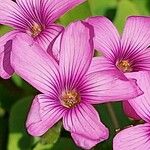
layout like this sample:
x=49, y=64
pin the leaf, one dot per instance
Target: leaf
x=18, y=137
x=125, y=8
x=99, y=7
x=17, y=80
x=52, y=135
x=78, y=13
x=65, y=144
x=4, y=29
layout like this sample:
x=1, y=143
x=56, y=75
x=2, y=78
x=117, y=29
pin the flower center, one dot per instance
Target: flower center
x=36, y=29
x=124, y=66
x=70, y=99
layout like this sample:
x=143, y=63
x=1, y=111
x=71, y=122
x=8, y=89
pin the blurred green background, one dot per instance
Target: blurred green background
x=16, y=95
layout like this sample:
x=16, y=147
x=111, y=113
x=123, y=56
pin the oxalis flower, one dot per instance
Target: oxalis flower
x=33, y=17
x=137, y=137
x=69, y=87
x=129, y=53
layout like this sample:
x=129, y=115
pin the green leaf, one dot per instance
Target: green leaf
x=78, y=13
x=65, y=144
x=18, y=137
x=125, y=8
x=52, y=135
x=17, y=80
x=101, y=7
x=4, y=29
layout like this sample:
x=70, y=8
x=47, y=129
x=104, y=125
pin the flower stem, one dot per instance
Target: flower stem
x=112, y=115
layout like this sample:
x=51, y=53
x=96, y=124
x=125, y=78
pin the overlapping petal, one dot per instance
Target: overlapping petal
x=85, y=126
x=141, y=104
x=129, y=111
x=136, y=37
x=100, y=64
x=106, y=86
x=107, y=38
x=6, y=69
x=48, y=35
x=56, y=8
x=44, y=113
x=133, y=138
x=76, y=53
x=35, y=66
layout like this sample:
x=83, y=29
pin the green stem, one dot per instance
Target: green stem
x=112, y=115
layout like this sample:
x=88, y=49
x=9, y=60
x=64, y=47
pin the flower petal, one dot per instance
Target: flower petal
x=55, y=47
x=12, y=15
x=83, y=122
x=44, y=113
x=133, y=138
x=35, y=66
x=56, y=8
x=6, y=69
x=106, y=36
x=129, y=111
x=48, y=35
x=141, y=104
x=100, y=64
x=136, y=37
x=106, y=86
x=76, y=53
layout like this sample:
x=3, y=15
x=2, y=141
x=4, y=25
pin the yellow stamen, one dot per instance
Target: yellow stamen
x=70, y=99
x=36, y=30
x=124, y=66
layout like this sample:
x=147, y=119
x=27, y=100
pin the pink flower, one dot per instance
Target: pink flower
x=137, y=137
x=34, y=17
x=69, y=87
x=129, y=53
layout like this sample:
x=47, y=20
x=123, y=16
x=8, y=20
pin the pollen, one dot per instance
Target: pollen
x=124, y=66
x=36, y=29
x=70, y=99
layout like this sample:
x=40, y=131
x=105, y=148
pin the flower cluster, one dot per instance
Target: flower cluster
x=60, y=63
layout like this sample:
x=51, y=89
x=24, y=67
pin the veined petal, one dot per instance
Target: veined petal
x=100, y=64
x=106, y=36
x=35, y=66
x=44, y=113
x=141, y=104
x=49, y=35
x=133, y=138
x=12, y=15
x=53, y=9
x=76, y=53
x=129, y=111
x=85, y=126
x=106, y=86
x=6, y=69
x=136, y=37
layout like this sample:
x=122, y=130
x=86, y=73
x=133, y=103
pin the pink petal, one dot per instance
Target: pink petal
x=100, y=64
x=141, y=104
x=133, y=138
x=85, y=126
x=55, y=47
x=76, y=53
x=129, y=111
x=106, y=86
x=48, y=35
x=106, y=36
x=44, y=113
x=11, y=15
x=56, y=8
x=136, y=37
x=6, y=69
x=35, y=66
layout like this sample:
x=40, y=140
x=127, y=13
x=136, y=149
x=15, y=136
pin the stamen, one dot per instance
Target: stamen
x=35, y=30
x=124, y=66
x=70, y=99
